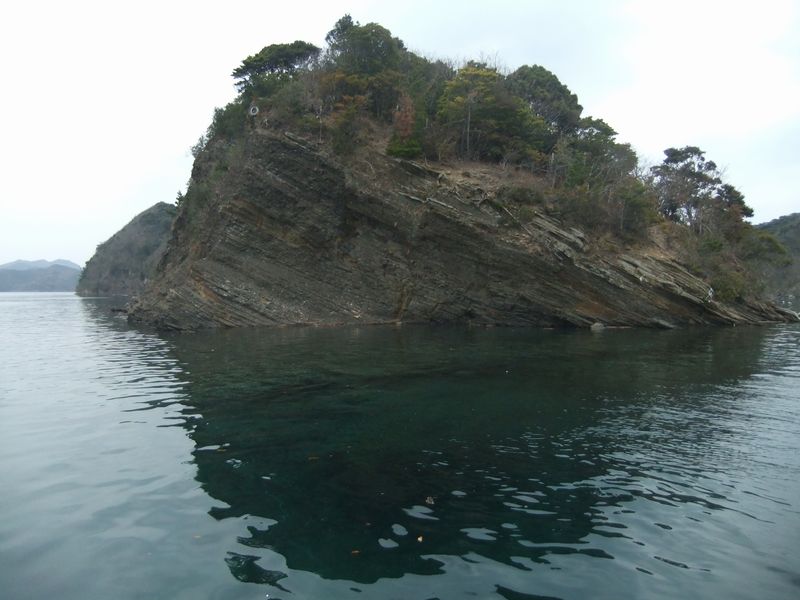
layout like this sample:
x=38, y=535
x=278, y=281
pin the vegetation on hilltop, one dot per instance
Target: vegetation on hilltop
x=783, y=278
x=125, y=262
x=366, y=86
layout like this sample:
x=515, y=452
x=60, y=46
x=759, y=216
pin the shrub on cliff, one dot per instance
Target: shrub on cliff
x=405, y=142
x=345, y=131
x=228, y=122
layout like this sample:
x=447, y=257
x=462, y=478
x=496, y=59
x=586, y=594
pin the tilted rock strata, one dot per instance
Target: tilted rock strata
x=287, y=235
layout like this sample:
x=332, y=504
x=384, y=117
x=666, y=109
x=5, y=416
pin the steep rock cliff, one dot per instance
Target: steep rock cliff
x=279, y=232
x=123, y=263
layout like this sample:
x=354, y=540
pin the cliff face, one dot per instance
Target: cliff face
x=281, y=233
x=123, y=263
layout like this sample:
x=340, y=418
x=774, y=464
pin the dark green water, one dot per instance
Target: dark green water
x=407, y=463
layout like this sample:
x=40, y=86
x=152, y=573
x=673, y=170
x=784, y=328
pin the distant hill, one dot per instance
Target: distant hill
x=43, y=276
x=783, y=281
x=123, y=263
x=28, y=265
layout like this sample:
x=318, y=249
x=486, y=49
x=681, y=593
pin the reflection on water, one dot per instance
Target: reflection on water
x=422, y=462
x=379, y=452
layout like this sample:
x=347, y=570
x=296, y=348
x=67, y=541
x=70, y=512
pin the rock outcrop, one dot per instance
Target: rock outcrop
x=122, y=264
x=279, y=232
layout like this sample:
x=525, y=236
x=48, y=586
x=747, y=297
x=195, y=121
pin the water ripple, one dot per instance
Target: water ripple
x=396, y=463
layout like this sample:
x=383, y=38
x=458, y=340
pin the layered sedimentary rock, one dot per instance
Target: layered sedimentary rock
x=276, y=231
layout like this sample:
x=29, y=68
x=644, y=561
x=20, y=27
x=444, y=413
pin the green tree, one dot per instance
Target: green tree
x=337, y=36
x=547, y=97
x=228, y=122
x=685, y=181
x=274, y=60
x=485, y=120
x=733, y=200
x=425, y=81
x=363, y=49
x=590, y=156
x=345, y=133
x=690, y=191
x=364, y=60
x=599, y=175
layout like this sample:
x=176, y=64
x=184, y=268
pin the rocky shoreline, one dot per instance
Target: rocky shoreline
x=287, y=234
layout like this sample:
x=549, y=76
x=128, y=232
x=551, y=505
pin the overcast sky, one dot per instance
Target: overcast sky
x=102, y=100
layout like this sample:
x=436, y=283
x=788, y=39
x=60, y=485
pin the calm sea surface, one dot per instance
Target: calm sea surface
x=380, y=462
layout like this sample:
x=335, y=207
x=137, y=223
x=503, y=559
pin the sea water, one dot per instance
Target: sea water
x=410, y=462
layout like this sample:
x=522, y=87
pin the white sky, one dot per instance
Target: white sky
x=102, y=100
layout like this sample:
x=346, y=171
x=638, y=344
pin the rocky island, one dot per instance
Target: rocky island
x=365, y=184
x=290, y=236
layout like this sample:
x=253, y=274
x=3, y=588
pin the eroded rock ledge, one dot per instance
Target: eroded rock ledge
x=285, y=234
